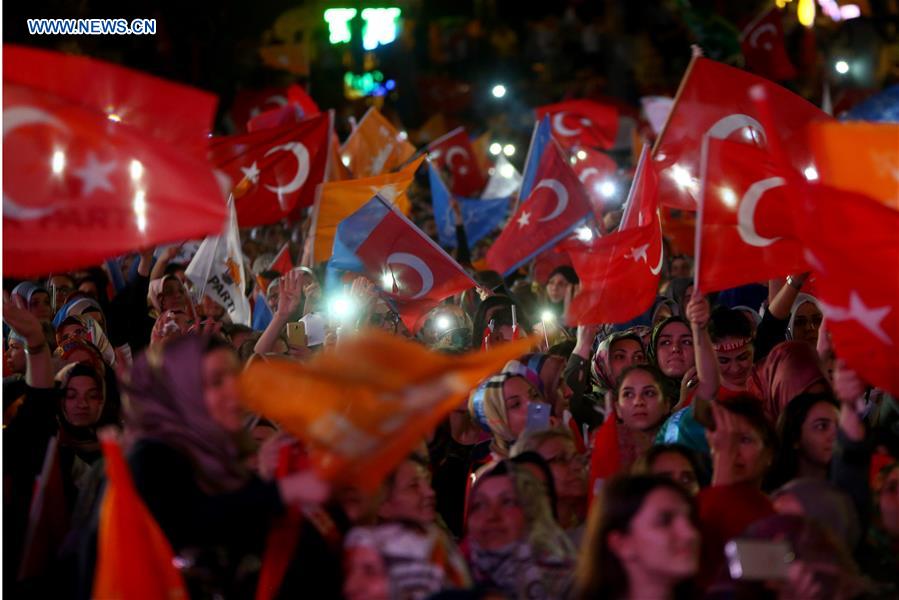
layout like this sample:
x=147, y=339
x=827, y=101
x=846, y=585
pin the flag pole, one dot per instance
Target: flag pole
x=697, y=53
x=527, y=161
x=697, y=240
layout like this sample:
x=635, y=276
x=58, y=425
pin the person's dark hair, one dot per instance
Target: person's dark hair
x=229, y=330
x=490, y=280
x=390, y=480
x=270, y=275
x=726, y=322
x=750, y=408
x=643, y=466
x=216, y=342
x=247, y=349
x=789, y=432
x=503, y=317
x=567, y=272
x=599, y=572
x=654, y=372
x=563, y=349
x=174, y=268
x=529, y=457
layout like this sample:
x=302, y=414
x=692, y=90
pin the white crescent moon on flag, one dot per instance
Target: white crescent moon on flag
x=413, y=262
x=658, y=268
x=299, y=178
x=746, y=211
x=757, y=33
x=559, y=125
x=454, y=151
x=14, y=118
x=277, y=100
x=561, y=194
x=587, y=173
x=731, y=123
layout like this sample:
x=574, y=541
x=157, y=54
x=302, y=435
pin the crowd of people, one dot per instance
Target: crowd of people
x=655, y=459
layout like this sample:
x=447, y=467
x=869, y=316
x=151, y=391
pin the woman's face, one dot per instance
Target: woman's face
x=495, y=517
x=889, y=503
x=675, y=350
x=173, y=296
x=819, y=433
x=211, y=309
x=83, y=402
x=15, y=356
x=556, y=288
x=517, y=394
x=752, y=458
x=662, y=542
x=807, y=323
x=641, y=404
x=89, y=288
x=567, y=466
x=220, y=370
x=72, y=331
x=411, y=497
x=677, y=468
x=63, y=286
x=365, y=575
x=735, y=365
x=39, y=306
x=625, y=353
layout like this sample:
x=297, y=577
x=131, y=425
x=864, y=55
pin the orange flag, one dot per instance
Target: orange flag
x=134, y=558
x=336, y=171
x=339, y=199
x=375, y=146
x=859, y=157
x=431, y=129
x=362, y=408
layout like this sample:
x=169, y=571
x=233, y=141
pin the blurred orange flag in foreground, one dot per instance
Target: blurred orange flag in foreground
x=364, y=406
x=134, y=558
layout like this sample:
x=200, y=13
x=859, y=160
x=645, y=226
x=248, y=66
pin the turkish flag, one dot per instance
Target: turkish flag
x=714, y=101
x=282, y=263
x=274, y=171
x=82, y=183
x=619, y=272
x=454, y=153
x=582, y=122
x=745, y=223
x=422, y=273
x=556, y=205
x=852, y=245
x=595, y=170
x=762, y=42
x=249, y=104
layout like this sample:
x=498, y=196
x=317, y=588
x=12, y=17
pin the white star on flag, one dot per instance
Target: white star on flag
x=251, y=172
x=870, y=318
x=524, y=220
x=95, y=174
x=639, y=253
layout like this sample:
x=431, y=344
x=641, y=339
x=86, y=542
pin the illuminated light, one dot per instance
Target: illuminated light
x=811, y=173
x=496, y=148
x=402, y=136
x=387, y=281
x=136, y=169
x=547, y=315
x=729, y=197
x=850, y=11
x=607, y=188
x=805, y=12
x=491, y=171
x=585, y=234
x=345, y=159
x=338, y=20
x=114, y=117
x=683, y=179
x=782, y=3
x=380, y=26
x=509, y=149
x=139, y=205
x=342, y=307
x=573, y=160
x=390, y=84
x=507, y=170
x=443, y=323
x=581, y=155
x=498, y=91
x=58, y=162
x=841, y=67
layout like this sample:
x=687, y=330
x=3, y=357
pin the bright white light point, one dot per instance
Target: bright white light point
x=682, y=177
x=850, y=11
x=114, y=117
x=841, y=67
x=811, y=173
x=58, y=163
x=443, y=322
x=496, y=148
x=341, y=307
x=345, y=159
x=499, y=90
x=607, y=189
x=509, y=149
x=547, y=316
x=581, y=155
x=387, y=281
x=585, y=234
x=402, y=136
x=140, y=209
x=136, y=169
x=573, y=159
x=491, y=171
x=507, y=170
x=729, y=197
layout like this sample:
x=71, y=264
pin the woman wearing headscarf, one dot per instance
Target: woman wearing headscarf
x=81, y=306
x=500, y=405
x=188, y=455
x=678, y=292
x=792, y=368
x=559, y=287
x=805, y=320
x=37, y=300
x=512, y=541
x=671, y=351
x=497, y=311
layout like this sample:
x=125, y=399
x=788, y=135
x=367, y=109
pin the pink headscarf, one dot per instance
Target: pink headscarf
x=789, y=370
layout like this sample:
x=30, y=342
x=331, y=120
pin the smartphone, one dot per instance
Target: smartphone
x=296, y=334
x=538, y=416
x=758, y=560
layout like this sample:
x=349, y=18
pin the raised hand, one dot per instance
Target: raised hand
x=17, y=316
x=698, y=311
x=289, y=297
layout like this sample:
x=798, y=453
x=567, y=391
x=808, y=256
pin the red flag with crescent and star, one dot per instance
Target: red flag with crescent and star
x=454, y=153
x=99, y=160
x=274, y=171
x=762, y=42
x=582, y=122
x=596, y=170
x=250, y=104
x=557, y=204
x=745, y=223
x=620, y=272
x=714, y=100
x=852, y=245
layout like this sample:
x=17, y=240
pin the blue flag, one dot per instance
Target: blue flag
x=443, y=209
x=880, y=108
x=480, y=217
x=540, y=138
